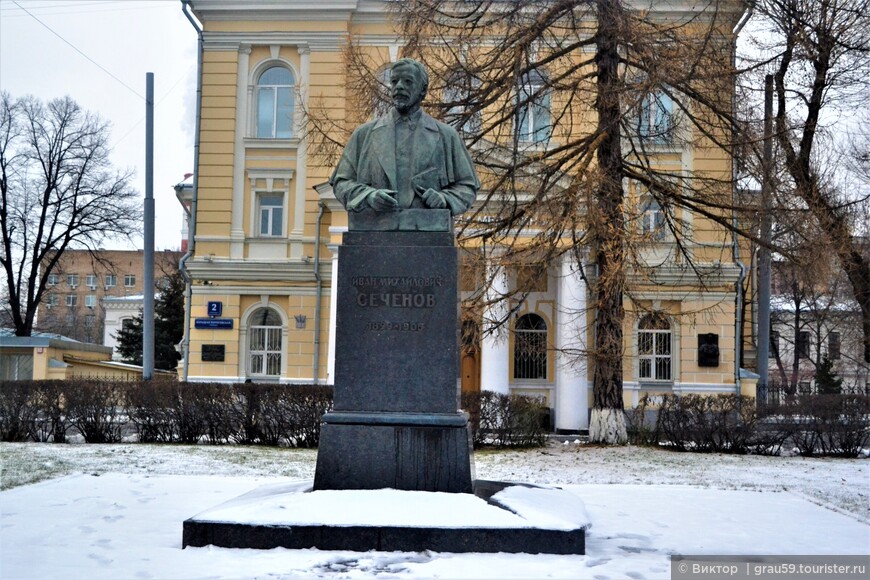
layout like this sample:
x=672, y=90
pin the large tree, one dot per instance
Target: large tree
x=58, y=191
x=602, y=87
x=819, y=54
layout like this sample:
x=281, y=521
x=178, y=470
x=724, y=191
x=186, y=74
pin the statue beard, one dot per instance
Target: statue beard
x=406, y=104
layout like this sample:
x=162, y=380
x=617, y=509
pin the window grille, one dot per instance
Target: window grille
x=264, y=348
x=654, y=348
x=530, y=347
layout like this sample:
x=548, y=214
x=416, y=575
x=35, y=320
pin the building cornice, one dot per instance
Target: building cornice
x=217, y=270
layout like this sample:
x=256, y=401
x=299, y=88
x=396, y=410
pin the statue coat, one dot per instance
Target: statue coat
x=441, y=162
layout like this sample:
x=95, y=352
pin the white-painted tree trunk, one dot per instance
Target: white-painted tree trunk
x=607, y=426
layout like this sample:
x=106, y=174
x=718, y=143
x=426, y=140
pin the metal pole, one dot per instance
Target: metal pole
x=148, y=275
x=764, y=250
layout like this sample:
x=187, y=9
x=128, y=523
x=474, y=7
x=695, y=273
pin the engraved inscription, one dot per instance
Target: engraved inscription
x=396, y=300
x=407, y=291
x=399, y=326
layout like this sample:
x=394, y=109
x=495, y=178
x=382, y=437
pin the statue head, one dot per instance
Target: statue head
x=408, y=84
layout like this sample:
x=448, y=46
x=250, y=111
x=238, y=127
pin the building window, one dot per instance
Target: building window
x=802, y=348
x=457, y=94
x=773, y=350
x=271, y=214
x=382, y=99
x=264, y=348
x=128, y=324
x=111, y=281
x=90, y=320
x=129, y=280
x=656, y=118
x=16, y=367
x=533, y=118
x=530, y=347
x=90, y=300
x=275, y=103
x=804, y=388
x=91, y=281
x=653, y=222
x=52, y=300
x=72, y=300
x=834, y=346
x=72, y=280
x=654, y=348
x=53, y=279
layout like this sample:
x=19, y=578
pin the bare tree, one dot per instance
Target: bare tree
x=567, y=107
x=819, y=51
x=58, y=191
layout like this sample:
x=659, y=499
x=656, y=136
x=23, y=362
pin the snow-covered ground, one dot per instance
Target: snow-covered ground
x=116, y=511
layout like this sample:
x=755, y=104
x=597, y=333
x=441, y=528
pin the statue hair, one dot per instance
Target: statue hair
x=418, y=69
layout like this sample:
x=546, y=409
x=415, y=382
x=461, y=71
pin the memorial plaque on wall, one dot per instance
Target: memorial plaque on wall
x=708, y=350
x=213, y=352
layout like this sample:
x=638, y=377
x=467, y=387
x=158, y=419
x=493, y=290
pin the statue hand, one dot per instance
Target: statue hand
x=434, y=199
x=382, y=200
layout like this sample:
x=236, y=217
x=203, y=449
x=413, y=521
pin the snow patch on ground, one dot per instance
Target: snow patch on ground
x=129, y=526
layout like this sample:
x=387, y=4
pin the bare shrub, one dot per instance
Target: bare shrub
x=96, y=409
x=51, y=422
x=151, y=406
x=17, y=411
x=505, y=420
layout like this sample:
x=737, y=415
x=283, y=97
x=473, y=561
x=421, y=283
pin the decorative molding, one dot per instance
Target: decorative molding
x=255, y=270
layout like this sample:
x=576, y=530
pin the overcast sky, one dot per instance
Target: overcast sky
x=127, y=38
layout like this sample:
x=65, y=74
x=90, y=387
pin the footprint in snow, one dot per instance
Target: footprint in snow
x=100, y=559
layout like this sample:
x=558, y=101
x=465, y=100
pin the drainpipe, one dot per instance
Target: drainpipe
x=735, y=247
x=318, y=302
x=191, y=229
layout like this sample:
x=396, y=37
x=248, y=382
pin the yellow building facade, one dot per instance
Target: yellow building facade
x=267, y=232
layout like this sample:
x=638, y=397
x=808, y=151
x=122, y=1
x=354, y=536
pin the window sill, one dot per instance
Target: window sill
x=258, y=143
x=654, y=384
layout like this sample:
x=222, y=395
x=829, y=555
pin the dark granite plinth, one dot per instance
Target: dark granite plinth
x=385, y=538
x=219, y=527
x=423, y=452
x=396, y=324
x=396, y=422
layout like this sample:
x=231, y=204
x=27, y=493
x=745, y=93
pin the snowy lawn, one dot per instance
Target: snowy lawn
x=116, y=511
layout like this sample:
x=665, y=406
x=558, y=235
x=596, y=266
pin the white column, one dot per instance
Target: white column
x=572, y=387
x=495, y=348
x=333, y=311
x=237, y=228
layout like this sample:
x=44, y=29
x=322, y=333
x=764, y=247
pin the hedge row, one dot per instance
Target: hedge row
x=814, y=425
x=220, y=413
x=163, y=411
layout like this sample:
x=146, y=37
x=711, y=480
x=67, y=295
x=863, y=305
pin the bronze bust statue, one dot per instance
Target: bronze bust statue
x=405, y=159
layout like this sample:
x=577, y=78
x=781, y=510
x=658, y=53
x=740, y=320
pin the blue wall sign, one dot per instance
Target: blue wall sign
x=213, y=323
x=215, y=308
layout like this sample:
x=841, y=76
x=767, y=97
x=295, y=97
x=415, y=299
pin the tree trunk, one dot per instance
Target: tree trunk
x=608, y=228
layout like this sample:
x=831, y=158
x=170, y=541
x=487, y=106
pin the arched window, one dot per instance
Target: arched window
x=264, y=343
x=275, y=103
x=530, y=347
x=654, y=348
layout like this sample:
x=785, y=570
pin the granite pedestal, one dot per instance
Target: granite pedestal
x=499, y=517
x=396, y=422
